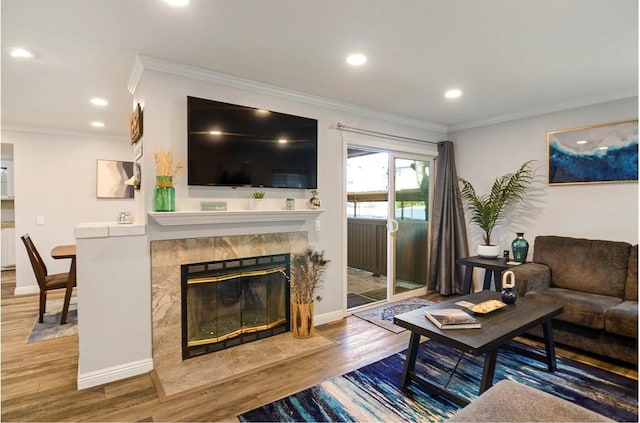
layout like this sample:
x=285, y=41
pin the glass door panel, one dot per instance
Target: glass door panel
x=410, y=224
x=367, y=214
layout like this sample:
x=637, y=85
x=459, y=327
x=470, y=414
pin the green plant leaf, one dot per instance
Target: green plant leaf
x=487, y=211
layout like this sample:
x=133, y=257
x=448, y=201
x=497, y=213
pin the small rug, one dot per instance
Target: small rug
x=383, y=316
x=373, y=392
x=51, y=327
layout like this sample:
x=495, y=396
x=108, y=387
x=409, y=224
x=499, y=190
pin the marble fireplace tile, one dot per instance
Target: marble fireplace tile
x=165, y=296
x=211, y=369
x=167, y=346
x=167, y=256
x=181, y=251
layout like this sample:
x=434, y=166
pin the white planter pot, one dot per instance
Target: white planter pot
x=488, y=251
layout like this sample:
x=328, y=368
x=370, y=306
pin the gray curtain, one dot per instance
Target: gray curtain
x=448, y=228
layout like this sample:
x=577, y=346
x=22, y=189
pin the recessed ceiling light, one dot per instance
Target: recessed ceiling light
x=581, y=142
x=603, y=148
x=282, y=141
x=454, y=93
x=97, y=124
x=177, y=3
x=96, y=101
x=21, y=53
x=356, y=59
x=215, y=133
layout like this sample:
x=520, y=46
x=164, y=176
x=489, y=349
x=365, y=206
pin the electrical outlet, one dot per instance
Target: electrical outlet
x=317, y=226
x=40, y=220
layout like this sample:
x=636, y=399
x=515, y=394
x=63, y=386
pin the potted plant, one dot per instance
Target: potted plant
x=257, y=197
x=487, y=211
x=307, y=270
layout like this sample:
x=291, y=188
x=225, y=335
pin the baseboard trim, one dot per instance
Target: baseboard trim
x=111, y=374
x=321, y=319
x=26, y=290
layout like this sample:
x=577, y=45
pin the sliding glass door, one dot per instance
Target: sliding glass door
x=387, y=225
x=410, y=223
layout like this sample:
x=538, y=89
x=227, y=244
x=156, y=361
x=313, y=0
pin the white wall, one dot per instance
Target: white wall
x=165, y=126
x=55, y=177
x=603, y=211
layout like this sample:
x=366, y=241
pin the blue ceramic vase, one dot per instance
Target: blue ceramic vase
x=520, y=248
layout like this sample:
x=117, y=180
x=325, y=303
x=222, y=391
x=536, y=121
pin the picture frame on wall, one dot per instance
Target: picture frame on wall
x=604, y=153
x=135, y=122
x=137, y=150
x=111, y=178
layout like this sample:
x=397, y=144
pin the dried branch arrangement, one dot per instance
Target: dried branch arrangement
x=307, y=270
x=165, y=165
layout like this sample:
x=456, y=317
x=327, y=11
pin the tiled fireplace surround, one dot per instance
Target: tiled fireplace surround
x=166, y=258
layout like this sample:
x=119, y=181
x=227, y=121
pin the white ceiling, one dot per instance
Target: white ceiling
x=511, y=57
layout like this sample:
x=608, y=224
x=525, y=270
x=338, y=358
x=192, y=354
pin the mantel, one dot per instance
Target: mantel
x=232, y=216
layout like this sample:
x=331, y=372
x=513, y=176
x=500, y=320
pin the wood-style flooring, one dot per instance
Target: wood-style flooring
x=39, y=380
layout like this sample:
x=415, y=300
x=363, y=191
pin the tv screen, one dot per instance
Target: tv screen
x=234, y=145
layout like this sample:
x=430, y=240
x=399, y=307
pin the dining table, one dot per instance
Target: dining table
x=66, y=252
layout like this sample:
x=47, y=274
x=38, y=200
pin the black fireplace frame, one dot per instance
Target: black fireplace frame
x=220, y=267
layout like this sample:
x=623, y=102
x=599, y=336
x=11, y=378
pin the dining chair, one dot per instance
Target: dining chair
x=46, y=282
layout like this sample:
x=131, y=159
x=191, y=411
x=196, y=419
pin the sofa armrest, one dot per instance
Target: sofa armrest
x=531, y=277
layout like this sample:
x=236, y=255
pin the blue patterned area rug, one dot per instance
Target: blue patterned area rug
x=373, y=393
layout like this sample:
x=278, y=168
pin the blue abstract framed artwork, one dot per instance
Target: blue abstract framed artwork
x=603, y=153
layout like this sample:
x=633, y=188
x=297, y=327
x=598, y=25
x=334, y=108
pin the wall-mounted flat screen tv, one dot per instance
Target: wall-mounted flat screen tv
x=232, y=145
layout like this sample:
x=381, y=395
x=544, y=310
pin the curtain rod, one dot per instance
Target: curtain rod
x=346, y=128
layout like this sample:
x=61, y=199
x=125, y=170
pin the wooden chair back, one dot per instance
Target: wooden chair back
x=39, y=268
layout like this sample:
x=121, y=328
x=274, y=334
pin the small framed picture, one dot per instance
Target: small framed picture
x=111, y=176
x=137, y=150
x=136, y=124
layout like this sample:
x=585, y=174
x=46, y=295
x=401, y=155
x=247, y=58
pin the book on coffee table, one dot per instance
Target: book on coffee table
x=452, y=318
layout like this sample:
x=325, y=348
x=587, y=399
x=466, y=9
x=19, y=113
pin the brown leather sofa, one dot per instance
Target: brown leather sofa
x=597, y=284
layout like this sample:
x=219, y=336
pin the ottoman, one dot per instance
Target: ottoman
x=509, y=401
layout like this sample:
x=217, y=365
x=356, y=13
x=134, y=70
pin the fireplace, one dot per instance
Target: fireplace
x=229, y=302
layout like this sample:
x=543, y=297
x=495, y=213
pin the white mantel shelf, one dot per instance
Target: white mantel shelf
x=232, y=216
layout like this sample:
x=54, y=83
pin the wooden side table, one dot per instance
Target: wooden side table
x=493, y=267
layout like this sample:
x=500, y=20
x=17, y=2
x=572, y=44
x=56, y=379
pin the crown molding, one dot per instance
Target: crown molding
x=136, y=74
x=63, y=132
x=143, y=63
x=556, y=107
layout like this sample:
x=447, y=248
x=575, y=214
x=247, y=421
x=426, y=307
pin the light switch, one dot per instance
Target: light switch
x=40, y=220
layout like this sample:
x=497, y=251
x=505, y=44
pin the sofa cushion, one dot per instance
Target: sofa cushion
x=581, y=308
x=531, y=277
x=595, y=266
x=622, y=319
x=631, y=287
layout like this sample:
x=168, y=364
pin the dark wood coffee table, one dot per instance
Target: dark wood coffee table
x=498, y=328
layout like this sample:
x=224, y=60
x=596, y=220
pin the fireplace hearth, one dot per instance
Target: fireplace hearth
x=229, y=302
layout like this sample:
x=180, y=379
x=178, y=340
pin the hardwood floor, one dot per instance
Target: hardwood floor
x=39, y=380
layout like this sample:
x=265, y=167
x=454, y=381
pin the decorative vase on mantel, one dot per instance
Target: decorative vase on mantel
x=520, y=248
x=314, y=201
x=164, y=196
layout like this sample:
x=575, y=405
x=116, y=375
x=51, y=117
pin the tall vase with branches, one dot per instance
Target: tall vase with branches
x=307, y=271
x=488, y=211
